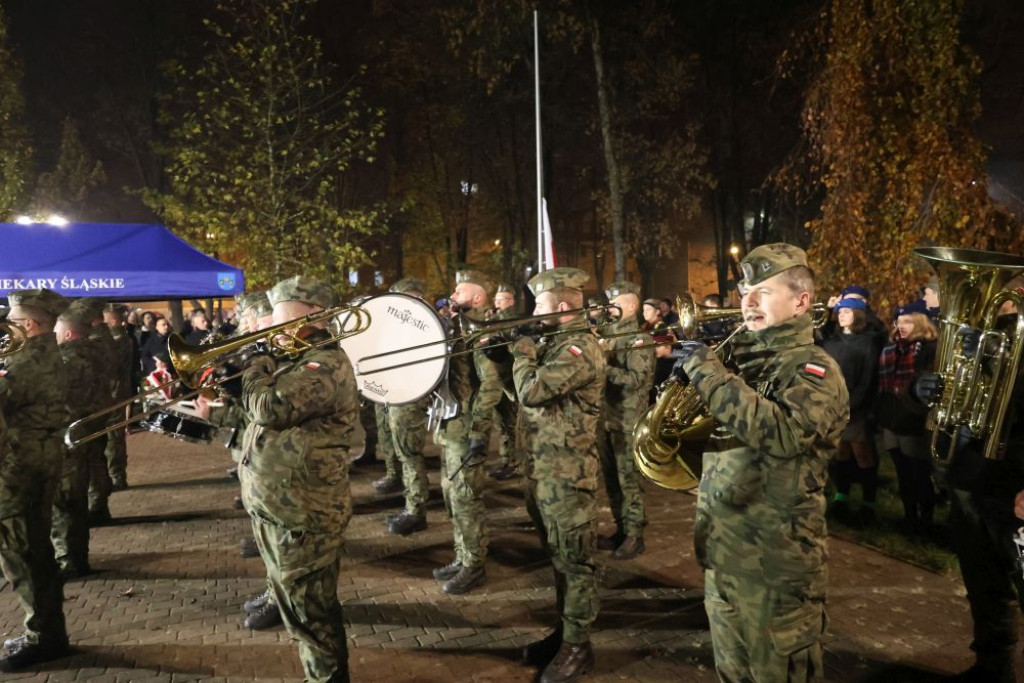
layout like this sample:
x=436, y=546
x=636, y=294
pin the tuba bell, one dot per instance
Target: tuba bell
x=669, y=438
x=976, y=388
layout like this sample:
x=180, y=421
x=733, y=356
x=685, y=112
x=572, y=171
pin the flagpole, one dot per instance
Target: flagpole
x=540, y=165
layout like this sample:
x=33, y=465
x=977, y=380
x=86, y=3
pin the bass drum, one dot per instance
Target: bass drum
x=406, y=329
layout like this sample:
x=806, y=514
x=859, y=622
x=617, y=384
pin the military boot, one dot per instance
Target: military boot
x=254, y=604
x=262, y=618
x=19, y=653
x=448, y=571
x=541, y=652
x=405, y=524
x=366, y=458
x=249, y=547
x=118, y=483
x=99, y=516
x=573, y=661
x=386, y=485
x=630, y=548
x=238, y=504
x=466, y=580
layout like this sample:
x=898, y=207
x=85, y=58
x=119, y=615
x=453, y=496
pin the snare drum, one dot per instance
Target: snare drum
x=179, y=426
x=398, y=322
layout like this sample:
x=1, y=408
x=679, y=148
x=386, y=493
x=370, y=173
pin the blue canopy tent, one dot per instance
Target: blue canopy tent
x=121, y=261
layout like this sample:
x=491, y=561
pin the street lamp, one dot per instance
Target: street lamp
x=734, y=250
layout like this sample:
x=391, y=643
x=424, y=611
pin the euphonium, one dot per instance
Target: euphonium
x=976, y=388
x=12, y=338
x=668, y=440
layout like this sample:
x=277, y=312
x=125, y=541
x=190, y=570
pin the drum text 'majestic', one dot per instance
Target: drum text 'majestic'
x=406, y=317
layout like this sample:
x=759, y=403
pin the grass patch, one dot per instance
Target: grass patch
x=933, y=552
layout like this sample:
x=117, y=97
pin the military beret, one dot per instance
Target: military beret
x=858, y=304
x=913, y=307
x=571, y=278
x=409, y=284
x=305, y=289
x=475, y=277
x=768, y=260
x=622, y=287
x=855, y=289
x=45, y=300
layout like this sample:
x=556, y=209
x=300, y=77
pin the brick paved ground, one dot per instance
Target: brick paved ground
x=166, y=602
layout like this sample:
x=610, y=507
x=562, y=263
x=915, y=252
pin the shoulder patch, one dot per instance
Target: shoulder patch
x=815, y=370
x=575, y=350
x=311, y=365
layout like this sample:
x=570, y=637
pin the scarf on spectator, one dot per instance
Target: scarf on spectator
x=896, y=366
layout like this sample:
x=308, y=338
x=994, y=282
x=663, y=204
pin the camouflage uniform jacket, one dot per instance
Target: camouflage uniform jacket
x=629, y=375
x=33, y=390
x=560, y=385
x=761, y=506
x=85, y=391
x=110, y=352
x=495, y=378
x=295, y=453
x=465, y=375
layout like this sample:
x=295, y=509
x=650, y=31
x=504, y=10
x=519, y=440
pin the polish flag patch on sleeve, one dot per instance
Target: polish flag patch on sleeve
x=815, y=369
x=575, y=350
x=312, y=365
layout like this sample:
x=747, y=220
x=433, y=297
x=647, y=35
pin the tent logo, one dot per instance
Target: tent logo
x=226, y=281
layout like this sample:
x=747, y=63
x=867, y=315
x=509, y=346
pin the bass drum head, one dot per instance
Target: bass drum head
x=398, y=323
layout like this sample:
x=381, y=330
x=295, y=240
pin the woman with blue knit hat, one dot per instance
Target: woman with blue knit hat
x=853, y=348
x=904, y=434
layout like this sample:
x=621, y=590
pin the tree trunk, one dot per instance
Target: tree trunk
x=612, y=167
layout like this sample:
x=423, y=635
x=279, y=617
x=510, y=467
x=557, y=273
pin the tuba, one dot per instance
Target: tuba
x=669, y=438
x=976, y=388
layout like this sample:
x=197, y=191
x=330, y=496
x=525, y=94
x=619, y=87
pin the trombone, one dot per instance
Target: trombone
x=477, y=330
x=192, y=363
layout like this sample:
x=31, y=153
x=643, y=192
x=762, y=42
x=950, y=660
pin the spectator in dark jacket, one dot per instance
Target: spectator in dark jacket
x=156, y=343
x=853, y=348
x=904, y=435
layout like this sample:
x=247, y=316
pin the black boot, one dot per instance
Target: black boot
x=541, y=652
x=573, y=661
x=630, y=548
x=466, y=580
x=386, y=485
x=262, y=618
x=19, y=653
x=253, y=604
x=405, y=524
x=366, y=458
x=448, y=571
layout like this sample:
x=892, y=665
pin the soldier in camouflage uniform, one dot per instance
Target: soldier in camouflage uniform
x=560, y=383
x=629, y=377
x=294, y=475
x=509, y=455
x=391, y=482
x=407, y=430
x=760, y=529
x=463, y=445
x=33, y=390
x=368, y=421
x=116, y=451
x=83, y=362
x=106, y=347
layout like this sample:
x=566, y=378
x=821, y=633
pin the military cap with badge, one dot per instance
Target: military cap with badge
x=768, y=260
x=558, y=278
x=303, y=289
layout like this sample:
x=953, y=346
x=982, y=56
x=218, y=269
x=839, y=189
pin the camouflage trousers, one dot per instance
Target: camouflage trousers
x=407, y=426
x=28, y=485
x=116, y=454
x=464, y=497
x=763, y=634
x=100, y=484
x=386, y=443
x=70, y=528
x=368, y=421
x=566, y=519
x=508, y=415
x=302, y=572
x=622, y=481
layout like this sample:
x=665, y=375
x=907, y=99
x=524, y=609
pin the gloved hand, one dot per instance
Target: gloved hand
x=477, y=449
x=971, y=337
x=927, y=387
x=525, y=346
x=496, y=350
x=683, y=353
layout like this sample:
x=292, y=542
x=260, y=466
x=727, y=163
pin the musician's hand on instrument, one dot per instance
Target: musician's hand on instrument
x=927, y=387
x=495, y=348
x=683, y=352
x=202, y=405
x=525, y=346
x=970, y=338
x=1018, y=505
